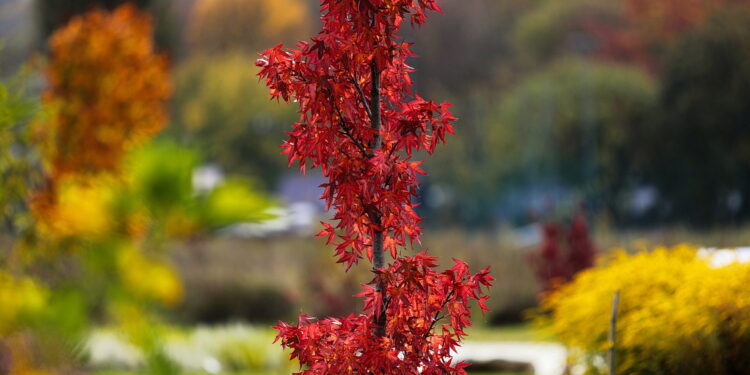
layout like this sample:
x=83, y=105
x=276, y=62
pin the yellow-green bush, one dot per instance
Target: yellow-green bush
x=677, y=315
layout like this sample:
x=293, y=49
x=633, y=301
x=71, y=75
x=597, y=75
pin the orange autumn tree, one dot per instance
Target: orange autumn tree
x=107, y=88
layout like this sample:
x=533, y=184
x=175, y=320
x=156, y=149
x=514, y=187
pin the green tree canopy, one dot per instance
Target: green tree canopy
x=702, y=142
x=576, y=123
x=557, y=27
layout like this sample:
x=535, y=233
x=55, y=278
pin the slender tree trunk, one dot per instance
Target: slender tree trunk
x=378, y=258
x=377, y=251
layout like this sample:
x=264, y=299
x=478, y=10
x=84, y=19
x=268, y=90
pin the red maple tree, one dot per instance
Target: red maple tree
x=360, y=123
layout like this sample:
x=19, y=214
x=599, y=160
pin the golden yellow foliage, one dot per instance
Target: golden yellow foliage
x=18, y=297
x=107, y=90
x=678, y=315
x=80, y=209
x=148, y=278
x=246, y=25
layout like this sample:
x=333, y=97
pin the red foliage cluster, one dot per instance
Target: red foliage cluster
x=360, y=123
x=554, y=264
x=371, y=175
x=415, y=299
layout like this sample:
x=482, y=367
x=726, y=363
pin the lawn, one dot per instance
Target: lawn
x=517, y=332
x=245, y=340
x=274, y=373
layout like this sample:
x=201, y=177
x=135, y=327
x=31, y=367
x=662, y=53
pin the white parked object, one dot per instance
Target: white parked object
x=723, y=257
x=545, y=358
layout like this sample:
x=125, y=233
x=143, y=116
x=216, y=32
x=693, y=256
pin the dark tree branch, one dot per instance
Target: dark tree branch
x=362, y=98
x=437, y=316
x=346, y=131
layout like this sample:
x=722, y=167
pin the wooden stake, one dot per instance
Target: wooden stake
x=613, y=334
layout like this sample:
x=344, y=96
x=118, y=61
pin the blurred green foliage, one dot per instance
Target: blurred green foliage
x=555, y=28
x=228, y=349
x=163, y=175
x=478, y=55
x=577, y=99
x=219, y=27
x=700, y=141
x=220, y=108
x=18, y=162
x=236, y=200
x=470, y=64
x=576, y=123
x=97, y=254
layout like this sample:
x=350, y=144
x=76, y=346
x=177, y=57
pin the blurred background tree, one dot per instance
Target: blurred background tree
x=576, y=124
x=51, y=15
x=220, y=26
x=556, y=28
x=496, y=45
x=107, y=90
x=54, y=14
x=109, y=202
x=219, y=108
x=19, y=163
x=634, y=108
x=471, y=76
x=702, y=169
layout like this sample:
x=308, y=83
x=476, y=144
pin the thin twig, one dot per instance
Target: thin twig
x=346, y=131
x=362, y=97
x=437, y=316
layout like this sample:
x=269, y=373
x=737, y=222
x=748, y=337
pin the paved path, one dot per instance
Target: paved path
x=545, y=358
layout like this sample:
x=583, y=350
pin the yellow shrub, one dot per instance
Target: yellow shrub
x=677, y=314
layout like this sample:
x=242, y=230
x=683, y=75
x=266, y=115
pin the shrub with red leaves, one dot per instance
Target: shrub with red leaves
x=563, y=255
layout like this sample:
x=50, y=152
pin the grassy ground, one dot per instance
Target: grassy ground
x=242, y=340
x=272, y=373
x=517, y=332
x=190, y=373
